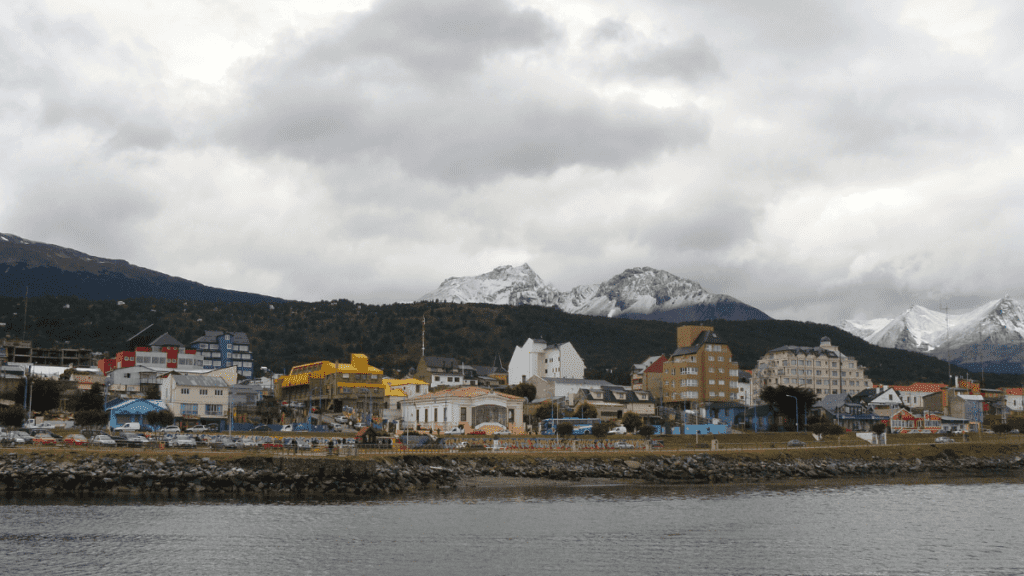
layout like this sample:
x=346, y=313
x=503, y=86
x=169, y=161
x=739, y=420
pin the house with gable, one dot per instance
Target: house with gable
x=538, y=358
x=133, y=410
x=843, y=410
x=913, y=394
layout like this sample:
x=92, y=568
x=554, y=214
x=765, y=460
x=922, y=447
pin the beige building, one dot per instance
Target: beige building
x=822, y=369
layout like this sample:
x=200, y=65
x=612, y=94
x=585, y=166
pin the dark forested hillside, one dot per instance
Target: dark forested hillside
x=288, y=333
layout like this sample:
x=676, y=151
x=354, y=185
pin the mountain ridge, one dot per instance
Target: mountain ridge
x=642, y=293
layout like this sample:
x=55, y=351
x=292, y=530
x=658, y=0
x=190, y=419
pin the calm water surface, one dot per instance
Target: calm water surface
x=905, y=529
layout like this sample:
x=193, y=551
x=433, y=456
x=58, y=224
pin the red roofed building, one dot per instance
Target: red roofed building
x=913, y=395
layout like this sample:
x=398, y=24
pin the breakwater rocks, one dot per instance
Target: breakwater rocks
x=186, y=476
x=340, y=477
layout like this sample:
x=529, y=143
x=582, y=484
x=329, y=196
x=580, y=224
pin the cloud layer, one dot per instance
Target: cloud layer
x=818, y=160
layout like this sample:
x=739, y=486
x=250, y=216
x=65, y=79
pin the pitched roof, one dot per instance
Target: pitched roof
x=921, y=387
x=166, y=339
x=466, y=392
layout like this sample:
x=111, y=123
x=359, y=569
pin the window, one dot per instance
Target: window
x=184, y=390
x=203, y=392
x=218, y=392
x=214, y=409
x=462, y=414
x=189, y=409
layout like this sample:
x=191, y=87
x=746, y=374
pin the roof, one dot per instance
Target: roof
x=657, y=366
x=812, y=350
x=138, y=406
x=198, y=380
x=466, y=392
x=211, y=336
x=832, y=401
x=921, y=387
x=166, y=339
x=441, y=363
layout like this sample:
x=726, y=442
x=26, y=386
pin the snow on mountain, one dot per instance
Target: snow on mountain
x=503, y=285
x=863, y=329
x=635, y=293
x=990, y=335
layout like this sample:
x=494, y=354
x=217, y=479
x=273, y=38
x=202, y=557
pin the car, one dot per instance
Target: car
x=247, y=443
x=181, y=441
x=75, y=440
x=618, y=430
x=456, y=430
x=795, y=444
x=170, y=430
x=1014, y=431
x=45, y=439
x=224, y=443
x=989, y=431
x=11, y=439
x=102, y=440
x=944, y=440
x=620, y=445
x=657, y=444
x=128, y=427
x=198, y=428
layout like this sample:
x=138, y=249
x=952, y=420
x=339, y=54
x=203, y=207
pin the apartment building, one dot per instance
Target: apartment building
x=538, y=358
x=700, y=370
x=222, y=349
x=822, y=369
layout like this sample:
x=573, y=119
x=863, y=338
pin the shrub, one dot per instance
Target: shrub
x=12, y=416
x=600, y=430
x=564, y=429
x=878, y=428
x=91, y=418
x=632, y=421
x=646, y=431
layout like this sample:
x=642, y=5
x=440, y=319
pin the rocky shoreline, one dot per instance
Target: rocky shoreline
x=279, y=476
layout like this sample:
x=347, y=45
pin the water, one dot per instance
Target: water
x=905, y=529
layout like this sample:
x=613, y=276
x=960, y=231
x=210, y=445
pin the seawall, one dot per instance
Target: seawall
x=283, y=476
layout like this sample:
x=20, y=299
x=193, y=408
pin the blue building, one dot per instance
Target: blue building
x=223, y=349
x=125, y=411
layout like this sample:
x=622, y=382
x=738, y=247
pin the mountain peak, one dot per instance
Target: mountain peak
x=641, y=292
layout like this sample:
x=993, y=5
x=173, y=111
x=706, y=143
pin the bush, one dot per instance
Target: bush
x=600, y=430
x=91, y=418
x=878, y=428
x=646, y=431
x=585, y=410
x=160, y=418
x=1002, y=428
x=564, y=429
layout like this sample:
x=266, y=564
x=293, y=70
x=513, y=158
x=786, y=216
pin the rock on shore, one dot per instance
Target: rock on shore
x=339, y=477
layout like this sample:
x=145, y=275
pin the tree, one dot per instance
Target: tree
x=632, y=421
x=160, y=418
x=547, y=409
x=91, y=418
x=585, y=410
x=778, y=397
x=564, y=429
x=600, y=430
x=12, y=416
x=86, y=400
x=646, y=431
x=878, y=428
x=524, y=390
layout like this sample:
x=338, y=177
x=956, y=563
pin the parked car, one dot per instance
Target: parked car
x=170, y=430
x=75, y=440
x=262, y=428
x=456, y=430
x=128, y=427
x=181, y=441
x=102, y=440
x=45, y=439
x=944, y=440
x=795, y=443
x=223, y=443
x=13, y=439
x=198, y=428
x=618, y=430
x=247, y=443
x=620, y=445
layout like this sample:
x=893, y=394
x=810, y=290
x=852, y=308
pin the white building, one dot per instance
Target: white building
x=538, y=358
x=821, y=369
x=468, y=407
x=564, y=388
x=195, y=397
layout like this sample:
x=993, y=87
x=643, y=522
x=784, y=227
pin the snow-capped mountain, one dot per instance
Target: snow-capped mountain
x=991, y=335
x=863, y=329
x=635, y=293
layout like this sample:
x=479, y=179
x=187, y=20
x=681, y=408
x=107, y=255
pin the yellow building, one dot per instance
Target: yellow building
x=333, y=385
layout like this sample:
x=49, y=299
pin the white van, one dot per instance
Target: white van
x=128, y=427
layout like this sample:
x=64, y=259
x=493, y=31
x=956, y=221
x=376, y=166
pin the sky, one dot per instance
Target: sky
x=816, y=160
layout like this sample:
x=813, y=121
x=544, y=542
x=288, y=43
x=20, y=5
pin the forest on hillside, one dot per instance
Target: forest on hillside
x=289, y=333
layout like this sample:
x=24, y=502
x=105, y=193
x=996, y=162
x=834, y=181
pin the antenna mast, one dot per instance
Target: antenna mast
x=423, y=338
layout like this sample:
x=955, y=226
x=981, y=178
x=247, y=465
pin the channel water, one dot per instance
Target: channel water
x=949, y=527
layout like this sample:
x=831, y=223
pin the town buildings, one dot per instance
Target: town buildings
x=194, y=397
x=699, y=371
x=220, y=349
x=333, y=386
x=469, y=407
x=822, y=369
x=538, y=358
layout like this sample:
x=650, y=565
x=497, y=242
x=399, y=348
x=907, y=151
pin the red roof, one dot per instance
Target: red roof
x=921, y=387
x=655, y=366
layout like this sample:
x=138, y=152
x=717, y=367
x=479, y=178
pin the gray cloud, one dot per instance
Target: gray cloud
x=629, y=53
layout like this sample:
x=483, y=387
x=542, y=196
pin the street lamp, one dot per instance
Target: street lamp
x=797, y=411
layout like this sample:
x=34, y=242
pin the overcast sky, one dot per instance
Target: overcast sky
x=816, y=160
